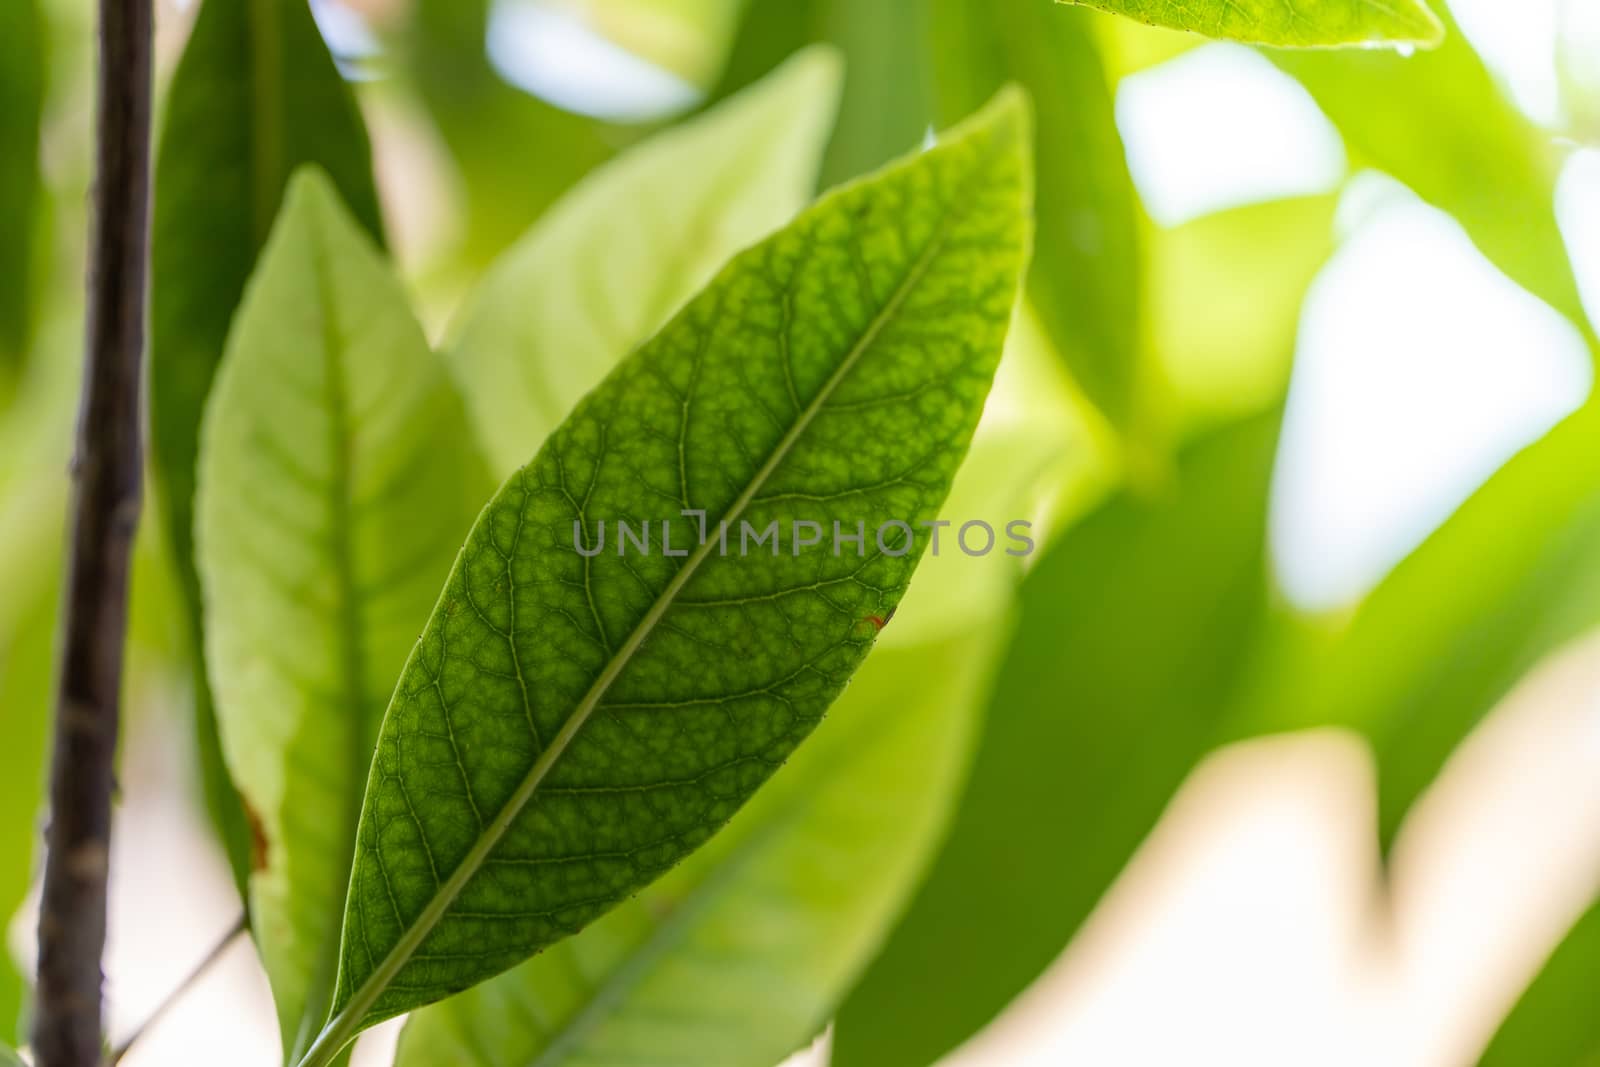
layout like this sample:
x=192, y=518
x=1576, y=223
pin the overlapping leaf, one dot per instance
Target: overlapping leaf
x=254, y=96
x=887, y=108
x=1301, y=24
x=608, y=265
x=338, y=478
x=1438, y=122
x=740, y=954
x=569, y=727
x=1085, y=281
x=1134, y=633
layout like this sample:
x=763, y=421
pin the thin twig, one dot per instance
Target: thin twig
x=105, y=509
x=179, y=990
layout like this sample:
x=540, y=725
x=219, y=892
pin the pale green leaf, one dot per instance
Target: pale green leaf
x=1293, y=24
x=255, y=95
x=337, y=478
x=740, y=954
x=1134, y=633
x=9, y=1057
x=608, y=265
x=570, y=727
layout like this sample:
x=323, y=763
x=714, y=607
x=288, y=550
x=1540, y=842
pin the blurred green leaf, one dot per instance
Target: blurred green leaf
x=609, y=264
x=254, y=96
x=1134, y=632
x=22, y=81
x=9, y=1057
x=1225, y=292
x=886, y=109
x=1085, y=280
x=687, y=37
x=1301, y=24
x=337, y=478
x=571, y=726
x=1554, y=1023
x=1511, y=576
x=516, y=153
x=740, y=954
x=1438, y=122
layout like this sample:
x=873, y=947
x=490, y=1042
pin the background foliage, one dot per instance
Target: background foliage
x=479, y=218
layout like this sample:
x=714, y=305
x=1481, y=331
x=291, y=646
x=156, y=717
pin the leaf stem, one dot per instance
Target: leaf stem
x=104, y=512
x=240, y=925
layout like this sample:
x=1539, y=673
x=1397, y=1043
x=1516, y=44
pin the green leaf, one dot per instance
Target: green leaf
x=1511, y=576
x=1554, y=1023
x=9, y=1057
x=886, y=108
x=22, y=78
x=740, y=954
x=1438, y=122
x=608, y=265
x=568, y=728
x=254, y=96
x=1085, y=281
x=1134, y=633
x=337, y=478
x=1301, y=24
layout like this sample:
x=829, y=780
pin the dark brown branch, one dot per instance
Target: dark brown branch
x=105, y=508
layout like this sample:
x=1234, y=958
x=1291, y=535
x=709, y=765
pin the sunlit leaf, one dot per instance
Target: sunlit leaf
x=569, y=727
x=740, y=954
x=607, y=266
x=1300, y=24
x=1554, y=1023
x=1085, y=280
x=337, y=479
x=22, y=78
x=1511, y=576
x=254, y=96
x=1438, y=122
x=1134, y=631
x=886, y=109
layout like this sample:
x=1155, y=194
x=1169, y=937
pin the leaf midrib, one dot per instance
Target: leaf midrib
x=345, y=1024
x=352, y=651
x=700, y=898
